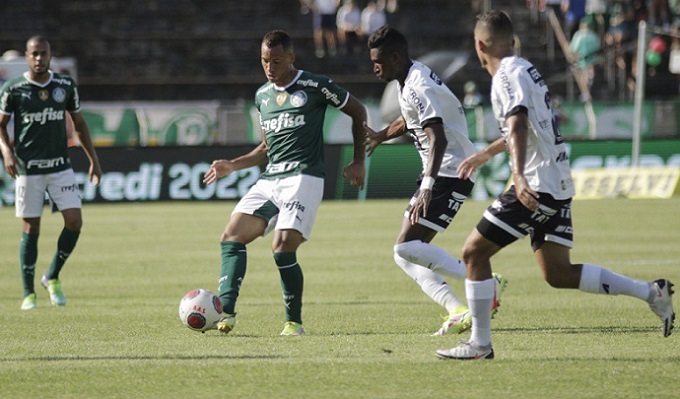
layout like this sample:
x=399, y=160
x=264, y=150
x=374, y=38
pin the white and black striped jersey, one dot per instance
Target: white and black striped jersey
x=518, y=87
x=425, y=99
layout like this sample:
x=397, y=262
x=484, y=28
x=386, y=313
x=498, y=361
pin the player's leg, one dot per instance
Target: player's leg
x=480, y=289
x=298, y=198
x=248, y=221
x=413, y=245
x=64, y=196
x=559, y=272
x=504, y=222
x=285, y=245
x=413, y=242
x=29, y=203
x=28, y=256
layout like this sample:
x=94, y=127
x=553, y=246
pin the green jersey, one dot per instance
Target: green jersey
x=292, y=119
x=39, y=112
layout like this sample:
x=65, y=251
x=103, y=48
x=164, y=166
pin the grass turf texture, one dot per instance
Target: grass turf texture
x=368, y=324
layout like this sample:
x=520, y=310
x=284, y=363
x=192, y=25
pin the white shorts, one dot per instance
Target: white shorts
x=61, y=188
x=288, y=203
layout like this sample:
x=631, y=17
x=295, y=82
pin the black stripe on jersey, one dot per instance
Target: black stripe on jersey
x=520, y=109
x=431, y=121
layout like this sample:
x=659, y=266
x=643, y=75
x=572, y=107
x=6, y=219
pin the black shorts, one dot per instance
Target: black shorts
x=508, y=220
x=448, y=194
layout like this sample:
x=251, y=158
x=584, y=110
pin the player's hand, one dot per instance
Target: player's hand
x=95, y=173
x=420, y=206
x=11, y=164
x=471, y=164
x=219, y=168
x=527, y=196
x=373, y=139
x=356, y=171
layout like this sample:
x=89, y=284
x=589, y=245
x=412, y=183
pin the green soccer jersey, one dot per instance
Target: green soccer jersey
x=40, y=121
x=292, y=119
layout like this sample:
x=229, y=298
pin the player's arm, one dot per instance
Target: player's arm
x=475, y=161
x=356, y=170
x=373, y=139
x=223, y=167
x=10, y=160
x=434, y=130
x=85, y=138
x=518, y=130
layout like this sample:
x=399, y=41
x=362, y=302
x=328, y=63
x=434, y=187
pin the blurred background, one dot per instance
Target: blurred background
x=159, y=73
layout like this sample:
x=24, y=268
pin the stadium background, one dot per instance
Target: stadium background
x=167, y=86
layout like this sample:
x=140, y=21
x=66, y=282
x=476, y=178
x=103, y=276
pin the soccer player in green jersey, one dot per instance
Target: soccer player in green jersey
x=41, y=101
x=292, y=106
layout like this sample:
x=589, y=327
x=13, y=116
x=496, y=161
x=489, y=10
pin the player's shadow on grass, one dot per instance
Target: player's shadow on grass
x=143, y=358
x=580, y=330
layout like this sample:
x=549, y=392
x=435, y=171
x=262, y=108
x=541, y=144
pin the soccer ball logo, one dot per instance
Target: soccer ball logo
x=200, y=310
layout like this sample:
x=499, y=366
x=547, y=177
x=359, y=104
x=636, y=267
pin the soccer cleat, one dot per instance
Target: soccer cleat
x=29, y=302
x=292, y=328
x=501, y=283
x=226, y=323
x=54, y=288
x=467, y=350
x=662, y=305
x=458, y=321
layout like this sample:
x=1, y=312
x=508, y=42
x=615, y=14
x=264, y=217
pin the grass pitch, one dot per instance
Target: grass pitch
x=368, y=324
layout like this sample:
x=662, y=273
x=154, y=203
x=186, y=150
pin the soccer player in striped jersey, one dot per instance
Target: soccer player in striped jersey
x=434, y=117
x=41, y=102
x=538, y=203
x=292, y=106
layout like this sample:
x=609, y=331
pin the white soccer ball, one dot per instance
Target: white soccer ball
x=200, y=310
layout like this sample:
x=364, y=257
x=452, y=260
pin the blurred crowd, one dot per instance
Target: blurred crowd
x=343, y=26
x=602, y=36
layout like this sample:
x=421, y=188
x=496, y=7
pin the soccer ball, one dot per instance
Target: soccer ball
x=200, y=310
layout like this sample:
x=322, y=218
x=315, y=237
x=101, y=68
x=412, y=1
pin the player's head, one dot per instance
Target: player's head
x=277, y=57
x=389, y=54
x=494, y=36
x=38, y=55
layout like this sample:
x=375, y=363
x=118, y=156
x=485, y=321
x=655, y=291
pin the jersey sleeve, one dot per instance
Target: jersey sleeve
x=73, y=104
x=510, y=88
x=332, y=93
x=6, y=105
x=424, y=99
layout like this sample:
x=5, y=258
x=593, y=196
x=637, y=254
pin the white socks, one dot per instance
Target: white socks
x=431, y=257
x=598, y=280
x=480, y=297
x=432, y=284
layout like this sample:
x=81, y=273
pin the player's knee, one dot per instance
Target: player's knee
x=75, y=224
x=410, y=250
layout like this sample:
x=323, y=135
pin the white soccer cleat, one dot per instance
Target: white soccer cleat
x=662, y=305
x=467, y=350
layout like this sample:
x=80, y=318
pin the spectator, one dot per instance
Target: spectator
x=323, y=12
x=586, y=45
x=372, y=18
x=574, y=11
x=473, y=97
x=349, y=27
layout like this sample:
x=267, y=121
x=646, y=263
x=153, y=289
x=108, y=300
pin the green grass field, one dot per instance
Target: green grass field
x=368, y=324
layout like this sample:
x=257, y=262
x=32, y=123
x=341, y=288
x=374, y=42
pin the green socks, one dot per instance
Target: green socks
x=67, y=241
x=233, y=272
x=28, y=254
x=292, y=283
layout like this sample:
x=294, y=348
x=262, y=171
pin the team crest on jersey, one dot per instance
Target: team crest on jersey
x=43, y=95
x=298, y=99
x=59, y=95
x=281, y=98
